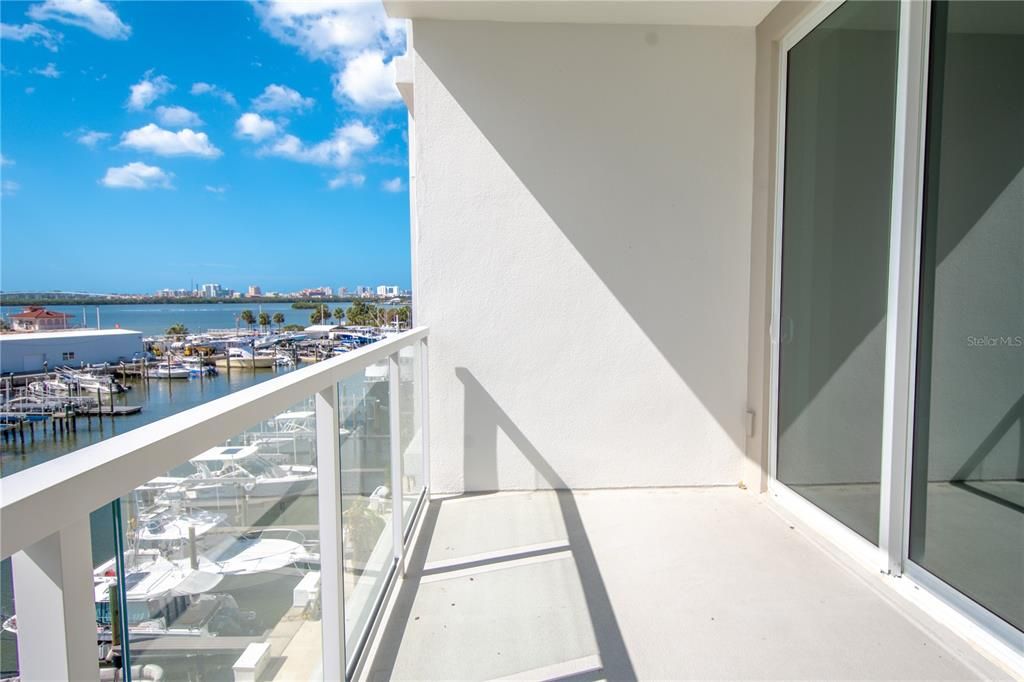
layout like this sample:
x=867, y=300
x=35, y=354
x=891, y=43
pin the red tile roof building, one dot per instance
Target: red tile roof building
x=37, y=318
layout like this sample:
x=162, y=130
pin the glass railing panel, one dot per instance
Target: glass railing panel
x=366, y=495
x=410, y=429
x=221, y=558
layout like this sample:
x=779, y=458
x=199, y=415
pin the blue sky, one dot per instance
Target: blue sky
x=149, y=144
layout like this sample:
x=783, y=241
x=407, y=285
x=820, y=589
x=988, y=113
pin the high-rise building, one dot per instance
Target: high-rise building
x=254, y=291
x=211, y=290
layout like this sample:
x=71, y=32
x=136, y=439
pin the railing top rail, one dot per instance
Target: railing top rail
x=43, y=499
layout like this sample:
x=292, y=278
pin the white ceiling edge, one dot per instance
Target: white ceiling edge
x=645, y=12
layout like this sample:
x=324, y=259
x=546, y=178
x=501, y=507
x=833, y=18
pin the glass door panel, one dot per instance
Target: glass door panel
x=840, y=108
x=967, y=500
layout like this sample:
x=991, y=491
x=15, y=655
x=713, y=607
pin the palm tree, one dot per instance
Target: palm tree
x=279, y=319
x=177, y=329
x=317, y=316
x=264, y=320
x=339, y=313
x=247, y=317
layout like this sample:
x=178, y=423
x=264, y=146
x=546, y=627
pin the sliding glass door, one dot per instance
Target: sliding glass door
x=967, y=499
x=840, y=110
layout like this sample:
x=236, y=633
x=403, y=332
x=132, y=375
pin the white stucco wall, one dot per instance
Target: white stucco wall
x=581, y=231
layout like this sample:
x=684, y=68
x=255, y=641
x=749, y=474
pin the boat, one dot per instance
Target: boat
x=171, y=530
x=258, y=557
x=85, y=381
x=226, y=474
x=166, y=370
x=49, y=388
x=244, y=359
x=197, y=366
x=163, y=598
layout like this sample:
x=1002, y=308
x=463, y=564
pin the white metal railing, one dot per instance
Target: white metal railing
x=44, y=510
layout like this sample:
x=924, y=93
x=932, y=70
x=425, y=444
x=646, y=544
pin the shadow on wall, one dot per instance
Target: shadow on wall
x=600, y=125
x=481, y=467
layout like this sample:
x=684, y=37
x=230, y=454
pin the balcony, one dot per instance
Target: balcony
x=635, y=583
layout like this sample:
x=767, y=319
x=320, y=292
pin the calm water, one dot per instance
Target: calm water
x=156, y=318
x=159, y=399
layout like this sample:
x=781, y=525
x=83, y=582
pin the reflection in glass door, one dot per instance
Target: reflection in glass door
x=840, y=108
x=967, y=499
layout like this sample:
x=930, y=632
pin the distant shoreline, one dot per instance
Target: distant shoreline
x=52, y=300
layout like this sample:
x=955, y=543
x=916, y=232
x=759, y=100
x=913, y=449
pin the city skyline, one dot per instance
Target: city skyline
x=266, y=151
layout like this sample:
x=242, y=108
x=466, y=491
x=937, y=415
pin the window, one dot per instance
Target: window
x=67, y=355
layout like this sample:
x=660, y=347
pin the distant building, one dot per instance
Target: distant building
x=38, y=319
x=254, y=291
x=386, y=290
x=28, y=352
x=211, y=291
x=342, y=291
x=364, y=292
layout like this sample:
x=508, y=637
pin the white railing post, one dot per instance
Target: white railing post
x=397, y=486
x=53, y=594
x=332, y=567
x=425, y=415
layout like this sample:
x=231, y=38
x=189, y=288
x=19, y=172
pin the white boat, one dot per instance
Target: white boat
x=49, y=388
x=172, y=530
x=166, y=598
x=244, y=359
x=226, y=474
x=258, y=557
x=169, y=371
x=84, y=381
x=163, y=598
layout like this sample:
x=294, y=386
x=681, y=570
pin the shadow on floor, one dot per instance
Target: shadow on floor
x=615, y=659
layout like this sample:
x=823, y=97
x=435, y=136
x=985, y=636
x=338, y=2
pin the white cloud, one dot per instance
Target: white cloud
x=331, y=30
x=6, y=160
x=137, y=175
x=216, y=189
x=92, y=15
x=393, y=185
x=336, y=151
x=357, y=38
x=178, y=117
x=186, y=142
x=29, y=90
x=215, y=90
x=281, y=98
x=35, y=33
x=147, y=90
x=367, y=81
x=90, y=138
x=346, y=180
x=255, y=127
x=48, y=71
x=9, y=188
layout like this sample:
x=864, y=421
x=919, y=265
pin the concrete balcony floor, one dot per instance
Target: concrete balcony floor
x=696, y=583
